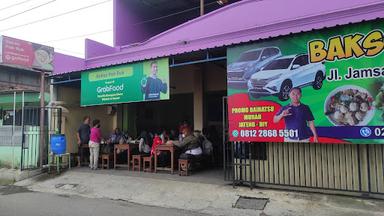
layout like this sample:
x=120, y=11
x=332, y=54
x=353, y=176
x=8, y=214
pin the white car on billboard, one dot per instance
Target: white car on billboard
x=284, y=73
x=249, y=63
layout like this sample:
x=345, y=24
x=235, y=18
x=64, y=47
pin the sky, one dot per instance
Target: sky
x=60, y=28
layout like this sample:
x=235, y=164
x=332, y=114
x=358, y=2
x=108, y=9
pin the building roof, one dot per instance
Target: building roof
x=244, y=21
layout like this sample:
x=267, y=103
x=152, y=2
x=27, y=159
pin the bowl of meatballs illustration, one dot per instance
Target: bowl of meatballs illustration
x=349, y=105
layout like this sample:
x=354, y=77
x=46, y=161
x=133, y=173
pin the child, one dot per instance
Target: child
x=94, y=144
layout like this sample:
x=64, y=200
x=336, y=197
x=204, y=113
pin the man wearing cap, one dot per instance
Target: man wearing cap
x=298, y=118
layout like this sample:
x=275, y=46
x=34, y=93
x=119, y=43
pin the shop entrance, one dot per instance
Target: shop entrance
x=196, y=97
x=165, y=115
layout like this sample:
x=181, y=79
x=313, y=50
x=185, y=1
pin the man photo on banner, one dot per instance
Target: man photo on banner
x=298, y=117
x=152, y=86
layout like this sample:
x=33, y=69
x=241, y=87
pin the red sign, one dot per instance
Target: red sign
x=17, y=52
x=253, y=120
x=26, y=54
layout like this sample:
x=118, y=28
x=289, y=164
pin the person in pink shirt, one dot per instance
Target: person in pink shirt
x=94, y=144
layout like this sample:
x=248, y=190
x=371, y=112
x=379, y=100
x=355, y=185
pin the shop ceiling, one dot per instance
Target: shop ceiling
x=215, y=56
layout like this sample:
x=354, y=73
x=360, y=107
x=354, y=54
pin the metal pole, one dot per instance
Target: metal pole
x=201, y=7
x=42, y=116
x=13, y=130
x=22, y=132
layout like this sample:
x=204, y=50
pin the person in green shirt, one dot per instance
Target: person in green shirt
x=152, y=85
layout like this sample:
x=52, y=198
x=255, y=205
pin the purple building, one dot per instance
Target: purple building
x=196, y=48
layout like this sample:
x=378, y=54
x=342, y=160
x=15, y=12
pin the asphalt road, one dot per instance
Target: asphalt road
x=18, y=201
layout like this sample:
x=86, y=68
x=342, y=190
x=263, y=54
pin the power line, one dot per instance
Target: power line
x=108, y=30
x=69, y=51
x=11, y=6
x=139, y=23
x=25, y=11
x=55, y=16
x=78, y=36
x=172, y=14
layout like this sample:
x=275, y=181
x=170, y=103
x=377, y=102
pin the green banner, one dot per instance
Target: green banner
x=322, y=86
x=136, y=82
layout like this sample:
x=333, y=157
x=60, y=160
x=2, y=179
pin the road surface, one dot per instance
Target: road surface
x=18, y=201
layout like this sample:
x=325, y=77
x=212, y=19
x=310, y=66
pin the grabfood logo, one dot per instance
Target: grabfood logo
x=110, y=88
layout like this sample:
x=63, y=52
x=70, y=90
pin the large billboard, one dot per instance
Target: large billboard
x=323, y=86
x=143, y=81
x=24, y=54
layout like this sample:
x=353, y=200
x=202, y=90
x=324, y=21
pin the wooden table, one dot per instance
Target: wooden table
x=165, y=147
x=122, y=147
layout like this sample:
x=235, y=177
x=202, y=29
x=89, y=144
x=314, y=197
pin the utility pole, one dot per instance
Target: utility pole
x=201, y=7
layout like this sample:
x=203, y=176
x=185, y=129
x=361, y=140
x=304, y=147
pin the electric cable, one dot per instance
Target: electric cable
x=77, y=36
x=25, y=11
x=69, y=51
x=108, y=30
x=135, y=24
x=55, y=16
x=14, y=5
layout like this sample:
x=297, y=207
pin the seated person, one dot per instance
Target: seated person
x=173, y=135
x=145, y=143
x=163, y=158
x=115, y=137
x=164, y=136
x=190, y=147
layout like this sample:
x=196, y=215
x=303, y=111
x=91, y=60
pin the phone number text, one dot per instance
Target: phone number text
x=269, y=133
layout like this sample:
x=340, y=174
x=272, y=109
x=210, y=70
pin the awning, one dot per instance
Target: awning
x=6, y=100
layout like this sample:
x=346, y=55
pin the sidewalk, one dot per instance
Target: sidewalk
x=9, y=176
x=204, y=195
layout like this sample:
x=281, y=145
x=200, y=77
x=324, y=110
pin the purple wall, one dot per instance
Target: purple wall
x=94, y=49
x=244, y=21
x=65, y=63
x=123, y=20
x=132, y=21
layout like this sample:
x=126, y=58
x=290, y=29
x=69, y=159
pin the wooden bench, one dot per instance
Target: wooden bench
x=136, y=162
x=105, y=158
x=183, y=167
x=147, y=160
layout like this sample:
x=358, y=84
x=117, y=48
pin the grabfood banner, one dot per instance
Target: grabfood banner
x=136, y=82
x=323, y=86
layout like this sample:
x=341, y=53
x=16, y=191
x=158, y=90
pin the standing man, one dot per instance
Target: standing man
x=83, y=135
x=298, y=119
x=152, y=85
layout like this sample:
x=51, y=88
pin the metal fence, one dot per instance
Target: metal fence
x=331, y=168
x=341, y=167
x=20, y=132
x=32, y=130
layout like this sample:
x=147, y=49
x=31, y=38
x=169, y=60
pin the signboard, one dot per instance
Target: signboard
x=136, y=82
x=323, y=86
x=25, y=54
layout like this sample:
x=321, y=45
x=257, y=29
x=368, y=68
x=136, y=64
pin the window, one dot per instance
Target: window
x=269, y=52
x=249, y=56
x=279, y=64
x=301, y=60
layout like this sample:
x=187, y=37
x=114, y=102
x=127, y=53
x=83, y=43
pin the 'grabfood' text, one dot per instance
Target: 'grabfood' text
x=110, y=88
